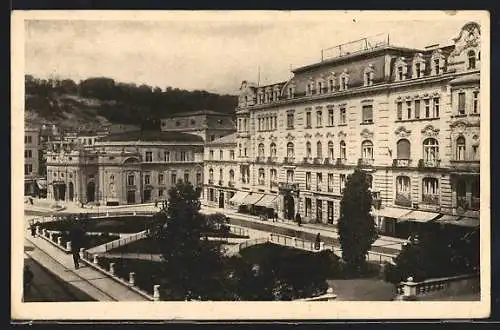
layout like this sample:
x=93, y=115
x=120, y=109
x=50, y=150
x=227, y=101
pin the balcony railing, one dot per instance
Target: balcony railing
x=430, y=199
x=317, y=160
x=288, y=160
x=475, y=203
x=403, y=199
x=341, y=161
x=401, y=162
x=272, y=159
x=288, y=186
x=429, y=163
x=329, y=161
x=365, y=162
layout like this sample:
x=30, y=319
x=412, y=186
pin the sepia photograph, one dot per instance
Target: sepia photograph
x=211, y=165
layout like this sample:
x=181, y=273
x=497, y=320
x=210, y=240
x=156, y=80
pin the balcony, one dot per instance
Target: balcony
x=341, y=161
x=365, y=162
x=288, y=186
x=401, y=163
x=430, y=199
x=465, y=165
x=272, y=160
x=429, y=163
x=317, y=160
x=230, y=184
x=329, y=161
x=288, y=160
x=403, y=199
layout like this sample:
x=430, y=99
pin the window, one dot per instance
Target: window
x=400, y=73
x=343, y=116
x=436, y=66
x=408, y=109
x=261, y=150
x=461, y=103
x=289, y=121
x=28, y=154
x=308, y=119
x=160, y=192
x=28, y=168
x=319, y=150
x=221, y=154
x=308, y=149
x=343, y=154
x=367, y=150
x=198, y=178
x=211, y=174
x=239, y=150
x=262, y=177
x=472, y=59
x=166, y=156
x=320, y=87
x=173, y=177
x=403, y=185
x=475, y=103
x=403, y=149
x=149, y=156
x=275, y=122
x=400, y=110
x=290, y=92
x=367, y=113
x=183, y=156
x=330, y=182
x=245, y=152
x=147, y=179
x=319, y=118
x=331, y=84
x=368, y=78
x=330, y=117
x=342, y=179
x=160, y=179
x=417, y=109
x=330, y=150
x=231, y=175
x=308, y=204
x=430, y=186
x=211, y=154
x=418, y=72
x=274, y=175
x=475, y=152
x=436, y=107
x=131, y=180
x=272, y=149
x=289, y=150
x=289, y=176
x=460, y=154
x=308, y=180
x=231, y=154
x=240, y=126
x=27, y=139
x=319, y=181
x=186, y=177
x=431, y=150
x=344, y=83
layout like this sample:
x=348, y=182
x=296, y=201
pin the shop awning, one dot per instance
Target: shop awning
x=252, y=199
x=238, y=197
x=418, y=216
x=42, y=184
x=391, y=212
x=458, y=221
x=267, y=201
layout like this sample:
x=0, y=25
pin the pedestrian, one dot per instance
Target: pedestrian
x=31, y=200
x=275, y=216
x=156, y=203
x=317, y=242
x=33, y=229
x=76, y=236
x=298, y=219
x=27, y=278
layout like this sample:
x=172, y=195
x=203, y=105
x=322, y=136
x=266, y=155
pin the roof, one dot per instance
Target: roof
x=150, y=136
x=228, y=139
x=466, y=79
x=199, y=112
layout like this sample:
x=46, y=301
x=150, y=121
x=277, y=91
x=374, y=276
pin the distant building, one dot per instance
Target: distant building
x=125, y=168
x=33, y=185
x=209, y=125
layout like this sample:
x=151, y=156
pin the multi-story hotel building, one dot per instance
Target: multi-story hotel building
x=408, y=117
x=31, y=159
x=125, y=168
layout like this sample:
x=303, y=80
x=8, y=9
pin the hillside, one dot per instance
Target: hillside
x=97, y=102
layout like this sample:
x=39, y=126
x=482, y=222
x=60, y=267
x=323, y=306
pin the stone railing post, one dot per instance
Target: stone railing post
x=44, y=232
x=107, y=214
x=330, y=295
x=409, y=289
x=96, y=259
x=296, y=241
x=156, y=292
x=68, y=245
x=82, y=254
x=112, y=268
x=321, y=246
x=59, y=240
x=131, y=278
x=51, y=235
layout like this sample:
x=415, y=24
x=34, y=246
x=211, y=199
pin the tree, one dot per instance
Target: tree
x=356, y=225
x=193, y=266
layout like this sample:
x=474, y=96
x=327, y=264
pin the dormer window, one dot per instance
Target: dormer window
x=418, y=71
x=400, y=73
x=368, y=76
x=331, y=83
x=344, y=81
x=320, y=87
x=310, y=88
x=401, y=69
x=291, y=92
x=437, y=62
x=418, y=66
x=472, y=59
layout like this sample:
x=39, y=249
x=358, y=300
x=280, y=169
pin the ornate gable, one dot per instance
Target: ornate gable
x=366, y=134
x=430, y=131
x=402, y=132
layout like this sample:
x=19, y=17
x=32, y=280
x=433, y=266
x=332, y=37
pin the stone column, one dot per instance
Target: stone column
x=96, y=259
x=156, y=292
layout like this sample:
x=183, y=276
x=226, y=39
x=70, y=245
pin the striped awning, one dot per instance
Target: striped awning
x=418, y=216
x=238, y=197
x=252, y=199
x=268, y=201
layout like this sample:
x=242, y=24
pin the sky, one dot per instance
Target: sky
x=212, y=51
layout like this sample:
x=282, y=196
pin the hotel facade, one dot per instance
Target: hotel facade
x=410, y=118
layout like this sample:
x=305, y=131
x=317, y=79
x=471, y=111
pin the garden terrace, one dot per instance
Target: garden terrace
x=121, y=224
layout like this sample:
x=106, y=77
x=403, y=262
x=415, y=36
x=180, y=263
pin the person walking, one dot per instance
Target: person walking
x=33, y=229
x=317, y=242
x=76, y=237
x=298, y=219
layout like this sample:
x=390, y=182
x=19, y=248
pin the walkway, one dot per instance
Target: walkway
x=97, y=285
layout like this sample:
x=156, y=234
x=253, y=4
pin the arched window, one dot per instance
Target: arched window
x=272, y=149
x=430, y=191
x=403, y=185
x=319, y=150
x=262, y=177
x=343, y=151
x=472, y=59
x=308, y=149
x=431, y=150
x=403, y=149
x=211, y=174
x=367, y=150
x=239, y=149
x=460, y=155
x=231, y=175
x=289, y=150
x=330, y=150
x=261, y=150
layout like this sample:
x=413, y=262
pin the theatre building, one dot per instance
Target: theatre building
x=410, y=118
x=125, y=168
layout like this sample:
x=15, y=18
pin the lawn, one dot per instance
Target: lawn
x=148, y=246
x=89, y=240
x=122, y=224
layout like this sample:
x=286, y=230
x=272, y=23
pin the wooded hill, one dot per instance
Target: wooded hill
x=96, y=101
